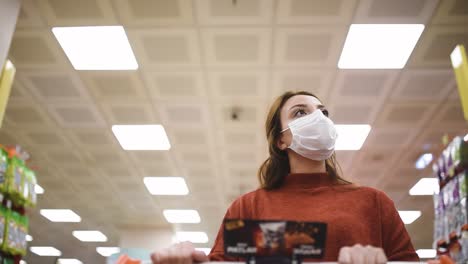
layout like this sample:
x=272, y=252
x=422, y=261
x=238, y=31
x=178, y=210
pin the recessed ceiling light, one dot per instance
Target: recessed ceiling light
x=423, y=161
x=29, y=238
x=351, y=137
x=141, y=137
x=166, y=185
x=38, y=189
x=107, y=251
x=456, y=57
x=409, y=217
x=426, y=253
x=61, y=215
x=69, y=261
x=182, y=216
x=46, y=251
x=379, y=46
x=425, y=186
x=194, y=237
x=96, y=48
x=205, y=250
x=90, y=236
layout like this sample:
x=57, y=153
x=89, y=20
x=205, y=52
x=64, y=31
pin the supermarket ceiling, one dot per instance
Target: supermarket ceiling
x=197, y=61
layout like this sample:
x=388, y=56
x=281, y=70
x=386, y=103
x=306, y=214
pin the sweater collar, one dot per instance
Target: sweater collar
x=307, y=180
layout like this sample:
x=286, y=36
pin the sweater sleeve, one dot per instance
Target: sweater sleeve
x=395, y=239
x=217, y=252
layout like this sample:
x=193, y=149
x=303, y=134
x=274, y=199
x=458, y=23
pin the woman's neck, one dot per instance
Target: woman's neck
x=300, y=164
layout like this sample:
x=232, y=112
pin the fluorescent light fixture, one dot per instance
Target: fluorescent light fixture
x=205, y=250
x=424, y=160
x=61, y=215
x=38, y=189
x=456, y=57
x=426, y=253
x=351, y=137
x=141, y=137
x=379, y=46
x=166, y=185
x=69, y=261
x=29, y=238
x=97, y=47
x=107, y=251
x=46, y=251
x=181, y=216
x=409, y=217
x=23, y=262
x=425, y=186
x=194, y=237
x=90, y=236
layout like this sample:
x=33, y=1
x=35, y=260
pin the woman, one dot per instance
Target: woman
x=300, y=182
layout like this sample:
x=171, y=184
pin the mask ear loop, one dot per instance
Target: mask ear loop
x=284, y=130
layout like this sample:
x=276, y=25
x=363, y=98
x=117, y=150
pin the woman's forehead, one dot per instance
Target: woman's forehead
x=302, y=99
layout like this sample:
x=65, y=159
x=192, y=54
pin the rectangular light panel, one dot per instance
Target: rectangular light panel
x=60, y=215
x=90, y=236
x=379, y=46
x=96, y=47
x=141, y=137
x=166, y=185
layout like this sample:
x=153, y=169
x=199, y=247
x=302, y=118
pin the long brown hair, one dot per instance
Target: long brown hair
x=275, y=168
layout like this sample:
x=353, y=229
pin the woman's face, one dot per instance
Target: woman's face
x=295, y=107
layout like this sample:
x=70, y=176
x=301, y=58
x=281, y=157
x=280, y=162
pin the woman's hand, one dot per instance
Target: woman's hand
x=181, y=253
x=361, y=254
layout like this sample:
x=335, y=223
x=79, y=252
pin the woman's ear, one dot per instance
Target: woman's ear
x=280, y=143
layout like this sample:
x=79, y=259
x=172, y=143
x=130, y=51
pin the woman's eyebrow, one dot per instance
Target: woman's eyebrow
x=298, y=105
x=320, y=106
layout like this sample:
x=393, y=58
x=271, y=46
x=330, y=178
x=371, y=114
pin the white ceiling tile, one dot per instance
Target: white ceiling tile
x=232, y=86
x=165, y=47
x=129, y=113
x=226, y=12
x=115, y=85
x=436, y=44
x=76, y=115
x=311, y=46
x=155, y=12
x=26, y=114
x=28, y=16
x=394, y=12
x=36, y=49
x=55, y=86
x=72, y=13
x=178, y=85
x=183, y=115
x=410, y=115
x=424, y=85
x=317, y=82
x=237, y=47
x=359, y=85
x=315, y=11
x=451, y=12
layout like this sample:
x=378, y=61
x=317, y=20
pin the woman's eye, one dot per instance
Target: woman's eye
x=325, y=112
x=299, y=113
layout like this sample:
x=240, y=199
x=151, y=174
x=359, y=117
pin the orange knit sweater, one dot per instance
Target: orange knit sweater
x=354, y=215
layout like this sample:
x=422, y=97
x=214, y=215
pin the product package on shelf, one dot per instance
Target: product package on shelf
x=3, y=169
x=17, y=191
x=450, y=205
x=20, y=182
x=15, y=234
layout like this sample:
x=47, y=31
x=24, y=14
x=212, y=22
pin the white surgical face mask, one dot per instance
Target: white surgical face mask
x=313, y=136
